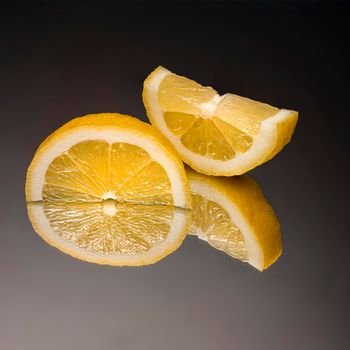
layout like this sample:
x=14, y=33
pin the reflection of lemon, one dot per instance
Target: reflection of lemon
x=104, y=158
x=216, y=135
x=233, y=215
x=109, y=232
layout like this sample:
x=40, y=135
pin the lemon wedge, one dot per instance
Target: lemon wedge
x=216, y=135
x=232, y=215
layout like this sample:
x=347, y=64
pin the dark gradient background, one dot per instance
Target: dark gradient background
x=64, y=59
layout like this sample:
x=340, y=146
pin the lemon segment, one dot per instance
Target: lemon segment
x=181, y=94
x=211, y=223
x=243, y=113
x=216, y=135
x=233, y=215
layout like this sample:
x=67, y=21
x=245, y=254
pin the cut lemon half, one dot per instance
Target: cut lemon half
x=233, y=216
x=97, y=163
x=216, y=135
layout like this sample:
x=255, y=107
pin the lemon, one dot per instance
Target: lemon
x=109, y=232
x=233, y=215
x=216, y=135
x=95, y=185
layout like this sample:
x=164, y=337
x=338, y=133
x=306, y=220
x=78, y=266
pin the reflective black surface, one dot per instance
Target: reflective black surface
x=60, y=60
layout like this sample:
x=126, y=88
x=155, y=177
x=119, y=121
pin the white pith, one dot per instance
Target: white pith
x=109, y=207
x=208, y=108
x=254, y=251
x=109, y=195
x=62, y=144
x=263, y=143
x=43, y=227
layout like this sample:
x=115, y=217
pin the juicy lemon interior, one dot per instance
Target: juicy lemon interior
x=218, y=127
x=108, y=198
x=109, y=227
x=213, y=224
x=91, y=171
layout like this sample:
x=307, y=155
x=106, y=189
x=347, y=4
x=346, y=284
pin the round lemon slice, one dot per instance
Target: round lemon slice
x=94, y=185
x=233, y=216
x=216, y=135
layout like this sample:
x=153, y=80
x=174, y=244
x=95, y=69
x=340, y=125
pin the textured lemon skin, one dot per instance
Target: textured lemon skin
x=102, y=121
x=282, y=135
x=257, y=212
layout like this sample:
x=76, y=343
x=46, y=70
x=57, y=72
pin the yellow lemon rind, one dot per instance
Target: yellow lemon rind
x=243, y=199
x=275, y=133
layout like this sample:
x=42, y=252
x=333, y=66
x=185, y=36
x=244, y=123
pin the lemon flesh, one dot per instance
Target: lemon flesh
x=107, y=232
x=110, y=227
x=211, y=223
x=216, y=135
x=233, y=216
x=210, y=125
x=95, y=170
x=109, y=189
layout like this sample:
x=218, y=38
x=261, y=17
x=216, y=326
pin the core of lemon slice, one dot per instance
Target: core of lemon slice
x=95, y=162
x=216, y=135
x=233, y=215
